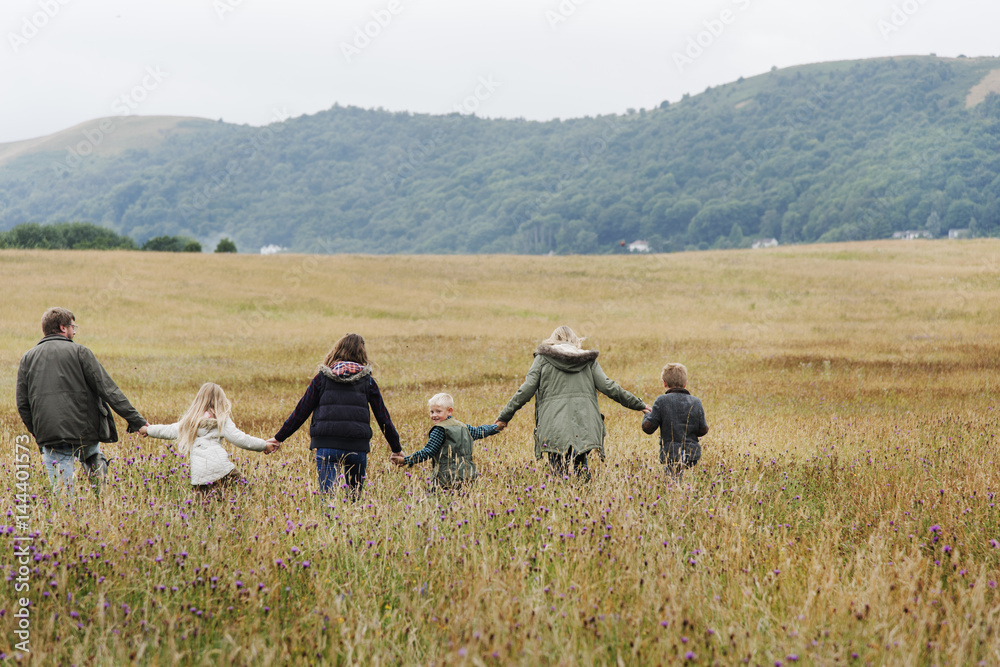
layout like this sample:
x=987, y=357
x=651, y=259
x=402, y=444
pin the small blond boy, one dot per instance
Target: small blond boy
x=681, y=420
x=449, y=445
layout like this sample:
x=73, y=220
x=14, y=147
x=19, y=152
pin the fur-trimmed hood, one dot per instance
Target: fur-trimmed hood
x=567, y=357
x=346, y=378
x=208, y=423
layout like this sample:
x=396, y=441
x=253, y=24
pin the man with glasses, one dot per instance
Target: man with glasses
x=63, y=397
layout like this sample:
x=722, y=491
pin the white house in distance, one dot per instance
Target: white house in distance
x=638, y=246
x=764, y=243
x=911, y=234
x=958, y=233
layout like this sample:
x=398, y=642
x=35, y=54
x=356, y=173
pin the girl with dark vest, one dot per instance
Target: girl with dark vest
x=338, y=399
x=449, y=445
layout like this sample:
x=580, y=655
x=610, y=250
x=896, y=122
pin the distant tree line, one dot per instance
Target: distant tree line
x=818, y=153
x=87, y=236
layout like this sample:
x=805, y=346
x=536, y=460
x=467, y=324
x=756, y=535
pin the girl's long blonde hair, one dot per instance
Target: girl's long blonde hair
x=210, y=398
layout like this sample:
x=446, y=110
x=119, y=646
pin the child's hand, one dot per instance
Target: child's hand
x=500, y=425
x=646, y=410
x=397, y=459
x=272, y=446
x=142, y=431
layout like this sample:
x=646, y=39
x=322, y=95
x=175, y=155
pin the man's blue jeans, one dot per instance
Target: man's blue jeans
x=60, y=464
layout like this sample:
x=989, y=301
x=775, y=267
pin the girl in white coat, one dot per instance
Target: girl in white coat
x=200, y=432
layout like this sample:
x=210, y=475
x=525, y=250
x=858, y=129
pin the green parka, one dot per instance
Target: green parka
x=564, y=381
x=63, y=394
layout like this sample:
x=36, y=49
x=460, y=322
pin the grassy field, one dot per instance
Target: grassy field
x=843, y=511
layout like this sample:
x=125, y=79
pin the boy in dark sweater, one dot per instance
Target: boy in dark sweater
x=681, y=420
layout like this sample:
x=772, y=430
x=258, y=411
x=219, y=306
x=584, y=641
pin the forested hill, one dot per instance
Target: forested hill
x=826, y=152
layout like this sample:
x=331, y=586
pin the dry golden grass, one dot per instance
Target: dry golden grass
x=843, y=511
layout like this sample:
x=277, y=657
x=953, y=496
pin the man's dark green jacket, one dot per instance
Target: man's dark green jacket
x=61, y=394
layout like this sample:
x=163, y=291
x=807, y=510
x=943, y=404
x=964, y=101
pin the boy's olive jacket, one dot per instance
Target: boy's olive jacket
x=564, y=381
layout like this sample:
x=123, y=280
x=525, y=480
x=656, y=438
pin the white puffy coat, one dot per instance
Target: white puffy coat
x=209, y=460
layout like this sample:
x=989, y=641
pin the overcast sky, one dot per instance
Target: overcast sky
x=63, y=62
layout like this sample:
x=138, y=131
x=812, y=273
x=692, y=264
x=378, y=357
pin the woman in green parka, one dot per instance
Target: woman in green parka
x=565, y=379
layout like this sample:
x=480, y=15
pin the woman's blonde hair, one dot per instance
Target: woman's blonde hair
x=210, y=398
x=351, y=347
x=563, y=334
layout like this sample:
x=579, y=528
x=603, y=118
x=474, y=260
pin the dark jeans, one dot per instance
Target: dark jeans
x=331, y=463
x=560, y=464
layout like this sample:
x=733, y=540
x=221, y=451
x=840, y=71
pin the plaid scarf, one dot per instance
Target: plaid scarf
x=346, y=368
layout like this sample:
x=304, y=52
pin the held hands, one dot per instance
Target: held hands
x=142, y=431
x=397, y=459
x=646, y=410
x=500, y=425
x=272, y=446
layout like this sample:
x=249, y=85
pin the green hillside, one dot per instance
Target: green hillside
x=825, y=152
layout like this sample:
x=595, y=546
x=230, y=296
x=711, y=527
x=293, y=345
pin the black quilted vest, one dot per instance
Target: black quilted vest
x=341, y=419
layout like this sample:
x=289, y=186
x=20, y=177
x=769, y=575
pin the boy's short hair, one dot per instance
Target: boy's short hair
x=54, y=319
x=675, y=376
x=441, y=400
